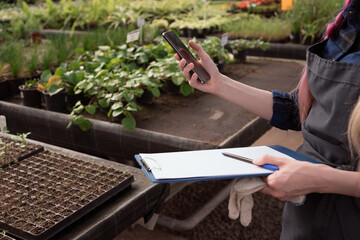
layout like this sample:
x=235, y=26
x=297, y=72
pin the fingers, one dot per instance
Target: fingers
x=186, y=69
x=199, y=50
x=177, y=57
x=274, y=193
x=270, y=160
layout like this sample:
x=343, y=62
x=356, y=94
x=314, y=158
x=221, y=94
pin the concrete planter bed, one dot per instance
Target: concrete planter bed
x=171, y=123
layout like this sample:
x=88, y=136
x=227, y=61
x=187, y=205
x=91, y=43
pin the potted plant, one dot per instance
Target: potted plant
x=53, y=91
x=30, y=95
x=239, y=47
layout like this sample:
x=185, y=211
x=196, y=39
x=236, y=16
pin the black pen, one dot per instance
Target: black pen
x=248, y=160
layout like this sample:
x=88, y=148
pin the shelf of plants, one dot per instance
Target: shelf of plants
x=46, y=192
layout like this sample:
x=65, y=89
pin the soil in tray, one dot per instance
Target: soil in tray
x=14, y=149
x=43, y=190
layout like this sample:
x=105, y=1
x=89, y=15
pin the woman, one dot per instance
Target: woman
x=321, y=107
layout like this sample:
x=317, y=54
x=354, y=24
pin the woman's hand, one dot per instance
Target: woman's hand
x=294, y=178
x=205, y=60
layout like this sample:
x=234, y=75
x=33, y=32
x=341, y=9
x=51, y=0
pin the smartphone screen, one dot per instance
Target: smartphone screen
x=179, y=47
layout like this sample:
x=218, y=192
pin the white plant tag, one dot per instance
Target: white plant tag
x=133, y=36
x=224, y=39
x=141, y=22
x=2, y=123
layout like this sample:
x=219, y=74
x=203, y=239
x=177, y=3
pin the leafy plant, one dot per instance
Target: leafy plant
x=50, y=83
x=242, y=44
x=257, y=27
x=33, y=62
x=48, y=56
x=14, y=56
x=308, y=17
x=30, y=84
x=212, y=45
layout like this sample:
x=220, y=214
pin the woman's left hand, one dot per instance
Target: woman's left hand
x=294, y=178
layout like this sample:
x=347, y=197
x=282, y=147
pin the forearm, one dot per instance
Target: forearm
x=254, y=100
x=338, y=181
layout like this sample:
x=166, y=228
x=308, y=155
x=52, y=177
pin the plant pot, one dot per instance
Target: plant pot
x=14, y=85
x=171, y=87
x=72, y=99
x=30, y=97
x=146, y=98
x=36, y=37
x=4, y=89
x=56, y=103
x=240, y=56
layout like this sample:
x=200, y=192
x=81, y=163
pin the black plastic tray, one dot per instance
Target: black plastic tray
x=22, y=156
x=35, y=166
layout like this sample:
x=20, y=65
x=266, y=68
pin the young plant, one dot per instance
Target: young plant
x=33, y=62
x=242, y=44
x=14, y=56
x=22, y=139
x=31, y=84
x=48, y=56
x=49, y=83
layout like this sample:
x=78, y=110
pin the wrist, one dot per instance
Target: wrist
x=332, y=180
x=221, y=85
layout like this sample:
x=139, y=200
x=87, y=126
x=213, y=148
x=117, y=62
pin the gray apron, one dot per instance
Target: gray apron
x=335, y=88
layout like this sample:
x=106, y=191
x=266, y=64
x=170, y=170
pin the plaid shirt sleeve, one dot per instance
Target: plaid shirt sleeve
x=285, y=111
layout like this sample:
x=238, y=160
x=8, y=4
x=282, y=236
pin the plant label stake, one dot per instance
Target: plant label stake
x=204, y=1
x=2, y=123
x=133, y=36
x=224, y=40
x=141, y=23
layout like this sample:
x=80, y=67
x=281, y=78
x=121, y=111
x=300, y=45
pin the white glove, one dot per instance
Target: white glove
x=241, y=201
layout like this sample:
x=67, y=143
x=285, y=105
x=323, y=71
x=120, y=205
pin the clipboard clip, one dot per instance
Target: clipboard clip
x=146, y=165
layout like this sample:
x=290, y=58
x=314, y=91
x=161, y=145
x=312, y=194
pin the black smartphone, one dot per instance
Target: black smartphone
x=179, y=47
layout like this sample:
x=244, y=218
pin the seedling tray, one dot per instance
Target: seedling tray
x=14, y=149
x=4, y=236
x=47, y=192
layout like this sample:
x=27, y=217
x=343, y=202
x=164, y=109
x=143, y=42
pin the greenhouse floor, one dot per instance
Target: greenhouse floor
x=290, y=139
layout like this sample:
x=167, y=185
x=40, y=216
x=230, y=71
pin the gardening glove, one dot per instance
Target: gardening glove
x=241, y=201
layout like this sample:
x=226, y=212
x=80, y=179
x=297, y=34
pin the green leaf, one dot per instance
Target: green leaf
x=59, y=71
x=54, y=89
x=132, y=106
x=83, y=123
x=155, y=92
x=129, y=123
x=117, y=112
x=186, y=89
x=91, y=109
x=70, y=78
x=177, y=80
x=45, y=75
x=101, y=73
x=78, y=109
x=117, y=105
x=104, y=103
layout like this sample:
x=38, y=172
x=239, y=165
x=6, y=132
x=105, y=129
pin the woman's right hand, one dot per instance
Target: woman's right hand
x=211, y=85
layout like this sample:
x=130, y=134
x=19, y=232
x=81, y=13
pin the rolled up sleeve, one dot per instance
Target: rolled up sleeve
x=285, y=111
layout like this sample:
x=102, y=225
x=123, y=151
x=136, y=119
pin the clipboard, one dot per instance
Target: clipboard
x=172, y=164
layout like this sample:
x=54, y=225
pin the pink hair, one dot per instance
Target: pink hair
x=305, y=96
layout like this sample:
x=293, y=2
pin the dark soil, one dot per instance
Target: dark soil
x=12, y=150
